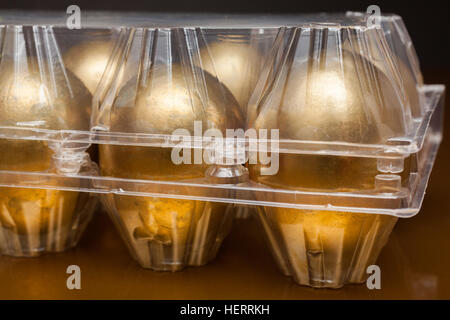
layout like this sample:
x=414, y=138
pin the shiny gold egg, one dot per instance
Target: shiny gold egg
x=27, y=100
x=35, y=220
x=330, y=105
x=88, y=61
x=334, y=104
x=59, y=102
x=30, y=101
x=326, y=248
x=165, y=104
x=168, y=103
x=409, y=85
x=236, y=65
x=400, y=72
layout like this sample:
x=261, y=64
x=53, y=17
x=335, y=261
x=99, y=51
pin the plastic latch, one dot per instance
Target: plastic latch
x=223, y=174
x=69, y=162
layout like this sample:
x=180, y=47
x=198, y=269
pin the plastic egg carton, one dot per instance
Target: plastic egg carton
x=332, y=135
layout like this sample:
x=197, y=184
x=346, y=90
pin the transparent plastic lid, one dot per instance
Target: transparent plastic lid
x=337, y=102
x=370, y=73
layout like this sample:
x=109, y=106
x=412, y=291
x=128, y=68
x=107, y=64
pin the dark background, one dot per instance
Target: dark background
x=428, y=21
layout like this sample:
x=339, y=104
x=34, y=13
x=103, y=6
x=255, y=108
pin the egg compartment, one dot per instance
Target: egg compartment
x=330, y=242
x=154, y=86
x=325, y=249
x=168, y=224
x=39, y=213
x=169, y=234
x=350, y=115
x=43, y=104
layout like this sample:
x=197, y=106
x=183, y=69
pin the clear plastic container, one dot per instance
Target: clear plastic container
x=320, y=122
x=39, y=93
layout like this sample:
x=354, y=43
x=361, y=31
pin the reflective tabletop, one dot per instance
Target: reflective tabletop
x=415, y=264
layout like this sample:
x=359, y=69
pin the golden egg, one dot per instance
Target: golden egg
x=409, y=85
x=88, y=61
x=160, y=108
x=167, y=103
x=326, y=248
x=164, y=105
x=236, y=65
x=23, y=155
x=330, y=105
x=35, y=220
x=59, y=102
x=27, y=101
x=401, y=73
